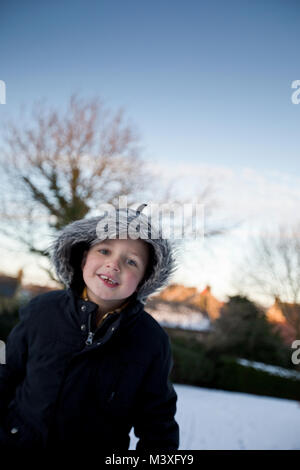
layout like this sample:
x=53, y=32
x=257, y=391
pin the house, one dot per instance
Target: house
x=281, y=311
x=286, y=318
x=204, y=300
x=181, y=315
x=13, y=288
x=208, y=303
x=28, y=291
x=10, y=286
x=178, y=293
x=185, y=308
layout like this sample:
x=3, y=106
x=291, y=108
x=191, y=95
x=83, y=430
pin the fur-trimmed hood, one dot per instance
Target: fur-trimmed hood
x=68, y=248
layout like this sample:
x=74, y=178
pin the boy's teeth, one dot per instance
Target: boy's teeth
x=109, y=280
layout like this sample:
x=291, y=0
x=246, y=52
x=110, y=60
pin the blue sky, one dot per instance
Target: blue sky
x=206, y=83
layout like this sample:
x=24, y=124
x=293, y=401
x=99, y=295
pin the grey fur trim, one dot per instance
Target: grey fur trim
x=92, y=231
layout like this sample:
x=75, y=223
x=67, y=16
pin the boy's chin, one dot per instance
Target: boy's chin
x=116, y=298
x=110, y=295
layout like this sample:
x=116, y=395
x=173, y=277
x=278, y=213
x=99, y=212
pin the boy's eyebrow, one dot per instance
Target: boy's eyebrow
x=139, y=255
x=135, y=254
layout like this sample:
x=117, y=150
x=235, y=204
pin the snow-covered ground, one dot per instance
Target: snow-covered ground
x=219, y=420
x=273, y=370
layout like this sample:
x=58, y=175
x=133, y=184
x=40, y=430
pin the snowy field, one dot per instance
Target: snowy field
x=219, y=420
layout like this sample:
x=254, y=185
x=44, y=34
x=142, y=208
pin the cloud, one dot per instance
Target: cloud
x=259, y=200
x=243, y=193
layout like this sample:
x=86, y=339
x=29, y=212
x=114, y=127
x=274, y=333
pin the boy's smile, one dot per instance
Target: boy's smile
x=112, y=270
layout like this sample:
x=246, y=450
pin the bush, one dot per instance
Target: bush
x=242, y=330
x=237, y=377
x=192, y=367
x=194, y=364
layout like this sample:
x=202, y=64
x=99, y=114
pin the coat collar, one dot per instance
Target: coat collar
x=129, y=313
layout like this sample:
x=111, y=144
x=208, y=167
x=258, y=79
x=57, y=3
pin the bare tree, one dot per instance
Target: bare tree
x=59, y=167
x=272, y=268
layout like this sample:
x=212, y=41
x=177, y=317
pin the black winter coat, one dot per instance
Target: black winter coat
x=56, y=391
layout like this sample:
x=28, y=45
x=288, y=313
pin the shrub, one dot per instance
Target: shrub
x=194, y=364
x=242, y=330
x=237, y=377
x=191, y=366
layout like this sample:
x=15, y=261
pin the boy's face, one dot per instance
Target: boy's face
x=124, y=261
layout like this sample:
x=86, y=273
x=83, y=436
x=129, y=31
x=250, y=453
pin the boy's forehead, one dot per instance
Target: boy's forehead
x=138, y=246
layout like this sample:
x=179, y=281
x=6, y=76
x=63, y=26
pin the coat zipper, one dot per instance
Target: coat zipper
x=91, y=334
x=90, y=337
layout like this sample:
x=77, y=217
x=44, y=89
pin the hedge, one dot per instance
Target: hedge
x=234, y=376
x=193, y=365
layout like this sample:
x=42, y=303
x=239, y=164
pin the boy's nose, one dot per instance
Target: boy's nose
x=113, y=264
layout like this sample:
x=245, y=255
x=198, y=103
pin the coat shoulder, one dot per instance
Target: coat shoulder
x=150, y=322
x=48, y=297
x=151, y=333
x=43, y=302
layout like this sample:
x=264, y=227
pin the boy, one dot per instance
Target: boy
x=86, y=364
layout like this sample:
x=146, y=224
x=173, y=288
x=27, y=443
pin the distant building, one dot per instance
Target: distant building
x=10, y=286
x=280, y=311
x=178, y=306
x=173, y=314
x=286, y=317
x=29, y=291
x=178, y=293
x=204, y=300
x=208, y=303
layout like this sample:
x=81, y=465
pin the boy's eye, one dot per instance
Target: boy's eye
x=103, y=251
x=132, y=262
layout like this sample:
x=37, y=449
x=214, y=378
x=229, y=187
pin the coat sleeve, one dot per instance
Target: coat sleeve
x=13, y=371
x=155, y=424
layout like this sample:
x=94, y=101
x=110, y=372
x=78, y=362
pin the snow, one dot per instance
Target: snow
x=195, y=322
x=212, y=419
x=273, y=370
x=183, y=317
